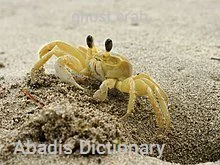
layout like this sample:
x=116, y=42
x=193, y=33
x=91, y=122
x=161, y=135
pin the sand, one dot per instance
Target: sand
x=176, y=42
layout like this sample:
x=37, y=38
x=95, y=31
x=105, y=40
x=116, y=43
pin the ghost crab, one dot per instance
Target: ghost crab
x=113, y=70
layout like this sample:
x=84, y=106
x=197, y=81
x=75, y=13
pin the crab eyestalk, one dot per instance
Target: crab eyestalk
x=91, y=46
x=90, y=41
x=108, y=47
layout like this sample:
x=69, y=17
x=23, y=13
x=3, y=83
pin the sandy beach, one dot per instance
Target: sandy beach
x=176, y=42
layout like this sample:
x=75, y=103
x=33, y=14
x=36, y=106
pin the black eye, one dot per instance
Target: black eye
x=108, y=45
x=89, y=41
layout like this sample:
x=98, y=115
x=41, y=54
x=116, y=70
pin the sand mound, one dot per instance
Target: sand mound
x=70, y=115
x=70, y=125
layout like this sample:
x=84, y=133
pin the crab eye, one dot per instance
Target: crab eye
x=89, y=41
x=108, y=45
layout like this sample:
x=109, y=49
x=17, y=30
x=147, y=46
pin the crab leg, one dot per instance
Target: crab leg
x=154, y=103
x=55, y=51
x=160, y=95
x=161, y=100
x=101, y=94
x=132, y=98
x=152, y=84
x=78, y=52
x=163, y=106
x=144, y=89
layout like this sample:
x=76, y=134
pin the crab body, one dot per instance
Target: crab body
x=112, y=67
x=115, y=71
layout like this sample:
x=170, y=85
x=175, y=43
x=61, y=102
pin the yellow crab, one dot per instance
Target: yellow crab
x=112, y=69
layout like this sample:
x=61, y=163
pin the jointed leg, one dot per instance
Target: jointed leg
x=101, y=94
x=163, y=106
x=162, y=100
x=65, y=47
x=132, y=97
x=158, y=114
x=55, y=51
x=152, y=84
